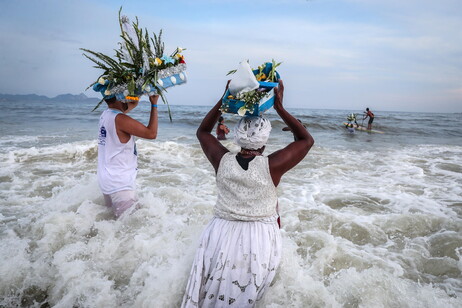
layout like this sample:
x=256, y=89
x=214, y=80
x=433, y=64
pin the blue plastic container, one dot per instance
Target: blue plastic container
x=233, y=105
x=173, y=80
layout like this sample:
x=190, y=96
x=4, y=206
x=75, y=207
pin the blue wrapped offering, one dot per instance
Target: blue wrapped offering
x=251, y=92
x=173, y=80
x=233, y=105
x=140, y=66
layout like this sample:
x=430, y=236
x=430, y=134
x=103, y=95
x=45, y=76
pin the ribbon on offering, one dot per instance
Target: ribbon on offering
x=251, y=92
x=140, y=66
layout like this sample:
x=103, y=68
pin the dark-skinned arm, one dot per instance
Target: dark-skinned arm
x=211, y=146
x=285, y=159
x=127, y=126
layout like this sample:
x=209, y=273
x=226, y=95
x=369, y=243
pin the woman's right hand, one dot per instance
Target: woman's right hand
x=154, y=98
x=278, y=95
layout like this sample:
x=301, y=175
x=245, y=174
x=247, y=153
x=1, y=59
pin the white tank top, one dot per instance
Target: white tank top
x=248, y=195
x=117, y=161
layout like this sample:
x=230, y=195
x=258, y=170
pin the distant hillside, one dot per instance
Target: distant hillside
x=37, y=98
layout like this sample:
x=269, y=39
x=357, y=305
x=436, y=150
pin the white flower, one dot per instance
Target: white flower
x=180, y=49
x=173, y=79
x=107, y=92
x=242, y=111
x=124, y=19
x=147, y=89
x=126, y=93
x=182, y=76
x=101, y=81
x=160, y=82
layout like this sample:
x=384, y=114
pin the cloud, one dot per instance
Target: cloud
x=347, y=52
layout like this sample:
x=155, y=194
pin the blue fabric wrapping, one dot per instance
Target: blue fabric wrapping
x=234, y=104
x=166, y=83
x=102, y=88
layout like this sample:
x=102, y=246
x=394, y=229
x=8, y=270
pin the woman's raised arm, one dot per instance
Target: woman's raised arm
x=211, y=146
x=285, y=159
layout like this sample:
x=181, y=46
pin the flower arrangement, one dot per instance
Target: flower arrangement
x=140, y=65
x=258, y=100
x=351, y=117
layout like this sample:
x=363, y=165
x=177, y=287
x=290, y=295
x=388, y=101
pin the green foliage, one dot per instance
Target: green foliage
x=136, y=64
x=272, y=74
x=159, y=46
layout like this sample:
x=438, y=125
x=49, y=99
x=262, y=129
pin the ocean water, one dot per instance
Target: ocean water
x=368, y=219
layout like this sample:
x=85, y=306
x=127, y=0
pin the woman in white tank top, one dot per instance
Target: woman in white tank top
x=240, y=249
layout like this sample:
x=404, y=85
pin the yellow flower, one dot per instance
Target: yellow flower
x=230, y=97
x=107, y=92
x=101, y=81
x=132, y=98
x=261, y=77
x=157, y=62
x=180, y=49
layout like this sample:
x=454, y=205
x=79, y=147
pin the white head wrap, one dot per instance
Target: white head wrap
x=252, y=132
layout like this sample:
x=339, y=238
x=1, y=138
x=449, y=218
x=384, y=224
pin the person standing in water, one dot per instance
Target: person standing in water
x=117, y=154
x=222, y=129
x=240, y=248
x=350, y=127
x=369, y=114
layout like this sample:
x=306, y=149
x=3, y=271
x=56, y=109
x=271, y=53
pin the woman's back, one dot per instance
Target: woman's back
x=247, y=195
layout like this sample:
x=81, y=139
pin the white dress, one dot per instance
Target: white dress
x=240, y=249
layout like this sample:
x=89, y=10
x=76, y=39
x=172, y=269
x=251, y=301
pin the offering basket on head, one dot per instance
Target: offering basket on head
x=140, y=67
x=233, y=105
x=258, y=94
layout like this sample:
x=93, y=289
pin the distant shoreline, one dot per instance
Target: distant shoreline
x=83, y=98
x=34, y=97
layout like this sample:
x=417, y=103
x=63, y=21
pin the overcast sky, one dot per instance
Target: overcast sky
x=395, y=55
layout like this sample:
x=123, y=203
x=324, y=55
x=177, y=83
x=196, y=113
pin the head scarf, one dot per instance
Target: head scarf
x=252, y=132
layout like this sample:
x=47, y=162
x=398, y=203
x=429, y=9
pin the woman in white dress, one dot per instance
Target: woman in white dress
x=240, y=249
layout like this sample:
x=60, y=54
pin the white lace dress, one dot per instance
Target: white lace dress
x=240, y=249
